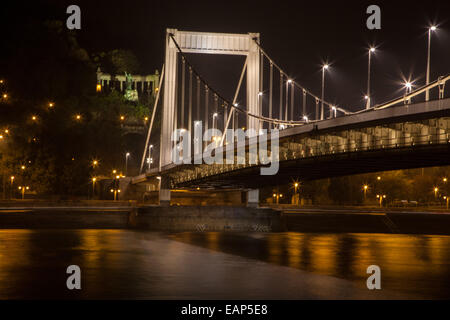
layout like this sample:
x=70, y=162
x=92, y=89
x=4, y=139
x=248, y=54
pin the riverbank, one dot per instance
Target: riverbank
x=128, y=215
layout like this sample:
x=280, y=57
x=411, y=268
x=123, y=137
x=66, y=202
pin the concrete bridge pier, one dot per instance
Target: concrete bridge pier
x=164, y=191
x=253, y=198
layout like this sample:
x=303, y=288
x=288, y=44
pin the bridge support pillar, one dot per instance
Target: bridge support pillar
x=164, y=192
x=253, y=198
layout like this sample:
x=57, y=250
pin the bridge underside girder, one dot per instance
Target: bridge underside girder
x=330, y=166
x=398, y=139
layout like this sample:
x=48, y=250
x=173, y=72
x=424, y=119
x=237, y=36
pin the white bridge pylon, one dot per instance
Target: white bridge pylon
x=209, y=43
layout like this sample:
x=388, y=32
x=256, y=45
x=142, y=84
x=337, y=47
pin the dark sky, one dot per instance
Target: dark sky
x=297, y=34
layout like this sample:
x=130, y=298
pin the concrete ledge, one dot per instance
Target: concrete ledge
x=82, y=218
x=33, y=203
x=215, y=218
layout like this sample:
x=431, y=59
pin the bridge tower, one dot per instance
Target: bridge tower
x=209, y=43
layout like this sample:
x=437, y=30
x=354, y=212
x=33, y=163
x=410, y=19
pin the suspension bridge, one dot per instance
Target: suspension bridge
x=315, y=138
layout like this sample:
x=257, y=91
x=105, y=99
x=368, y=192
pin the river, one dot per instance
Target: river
x=131, y=264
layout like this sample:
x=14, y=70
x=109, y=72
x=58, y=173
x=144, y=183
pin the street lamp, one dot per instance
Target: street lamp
x=427, y=93
x=288, y=82
x=371, y=50
x=436, y=189
x=365, y=187
x=22, y=189
x=215, y=115
x=94, y=179
x=324, y=67
x=126, y=162
x=408, y=86
x=12, y=183
x=150, y=159
x=115, y=191
x=334, y=110
x=381, y=197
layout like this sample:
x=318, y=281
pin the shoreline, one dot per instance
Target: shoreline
x=130, y=215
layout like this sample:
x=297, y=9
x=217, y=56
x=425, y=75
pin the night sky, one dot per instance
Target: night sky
x=298, y=35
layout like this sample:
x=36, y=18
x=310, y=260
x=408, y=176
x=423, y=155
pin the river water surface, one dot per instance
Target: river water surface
x=130, y=264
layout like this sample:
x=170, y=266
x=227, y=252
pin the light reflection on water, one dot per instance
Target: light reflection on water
x=137, y=264
x=416, y=264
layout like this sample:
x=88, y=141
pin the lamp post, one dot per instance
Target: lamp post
x=381, y=197
x=365, y=187
x=371, y=50
x=408, y=86
x=296, y=197
x=215, y=115
x=116, y=193
x=126, y=163
x=427, y=93
x=12, y=185
x=93, y=186
x=324, y=67
x=22, y=189
x=334, y=111
x=150, y=159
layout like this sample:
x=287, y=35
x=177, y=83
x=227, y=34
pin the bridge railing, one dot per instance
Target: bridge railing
x=406, y=99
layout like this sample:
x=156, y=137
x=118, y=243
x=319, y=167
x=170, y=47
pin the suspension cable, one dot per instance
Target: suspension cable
x=295, y=83
x=238, y=109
